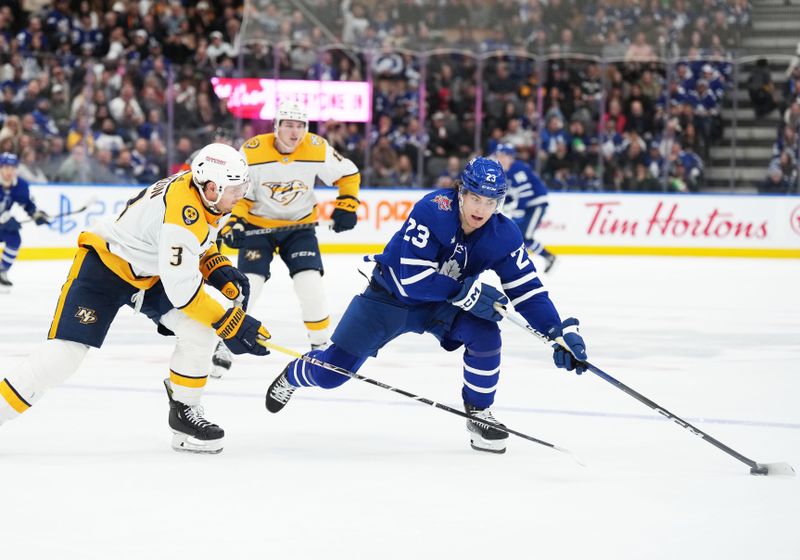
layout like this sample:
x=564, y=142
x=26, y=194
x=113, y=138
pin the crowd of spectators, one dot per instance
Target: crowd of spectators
x=85, y=84
x=782, y=172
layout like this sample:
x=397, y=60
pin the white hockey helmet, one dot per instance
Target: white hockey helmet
x=290, y=110
x=222, y=164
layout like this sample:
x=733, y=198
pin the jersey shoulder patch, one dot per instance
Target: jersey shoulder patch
x=260, y=149
x=433, y=210
x=312, y=148
x=184, y=207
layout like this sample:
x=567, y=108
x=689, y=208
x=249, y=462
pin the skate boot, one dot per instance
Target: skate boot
x=192, y=432
x=483, y=437
x=321, y=346
x=5, y=283
x=550, y=260
x=280, y=392
x=221, y=360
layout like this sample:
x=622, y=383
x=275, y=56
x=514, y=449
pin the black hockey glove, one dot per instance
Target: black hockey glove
x=229, y=280
x=40, y=217
x=344, y=213
x=232, y=233
x=573, y=358
x=239, y=331
x=479, y=299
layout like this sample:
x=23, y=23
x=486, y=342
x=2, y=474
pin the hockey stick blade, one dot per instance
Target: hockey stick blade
x=267, y=344
x=775, y=469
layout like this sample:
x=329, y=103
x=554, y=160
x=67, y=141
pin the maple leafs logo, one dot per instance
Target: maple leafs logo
x=451, y=268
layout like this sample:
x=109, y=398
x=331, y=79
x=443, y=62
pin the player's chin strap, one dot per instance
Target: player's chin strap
x=777, y=469
x=311, y=360
x=208, y=204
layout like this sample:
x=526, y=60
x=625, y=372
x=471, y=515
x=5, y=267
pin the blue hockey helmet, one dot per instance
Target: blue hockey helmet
x=7, y=158
x=507, y=149
x=485, y=177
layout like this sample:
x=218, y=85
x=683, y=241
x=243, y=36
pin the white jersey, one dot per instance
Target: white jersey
x=163, y=233
x=283, y=184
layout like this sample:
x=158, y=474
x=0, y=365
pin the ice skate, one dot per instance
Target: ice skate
x=192, y=432
x=549, y=262
x=280, y=392
x=320, y=346
x=5, y=283
x=483, y=437
x=221, y=361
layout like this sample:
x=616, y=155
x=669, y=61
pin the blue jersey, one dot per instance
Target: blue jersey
x=526, y=201
x=429, y=258
x=16, y=193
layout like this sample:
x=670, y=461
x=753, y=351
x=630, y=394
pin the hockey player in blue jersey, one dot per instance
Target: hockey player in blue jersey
x=426, y=280
x=13, y=190
x=526, y=201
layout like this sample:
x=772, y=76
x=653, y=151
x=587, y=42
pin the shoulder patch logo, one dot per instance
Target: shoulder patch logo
x=315, y=140
x=253, y=144
x=190, y=215
x=443, y=202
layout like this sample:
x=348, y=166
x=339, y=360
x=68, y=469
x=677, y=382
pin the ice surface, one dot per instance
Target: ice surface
x=360, y=472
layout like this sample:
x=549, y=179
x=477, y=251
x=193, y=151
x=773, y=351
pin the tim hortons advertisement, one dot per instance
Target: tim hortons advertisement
x=704, y=225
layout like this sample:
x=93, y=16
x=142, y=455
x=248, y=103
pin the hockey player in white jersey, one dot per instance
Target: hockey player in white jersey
x=284, y=166
x=155, y=257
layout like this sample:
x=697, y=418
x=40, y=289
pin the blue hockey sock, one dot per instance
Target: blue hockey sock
x=304, y=374
x=482, y=343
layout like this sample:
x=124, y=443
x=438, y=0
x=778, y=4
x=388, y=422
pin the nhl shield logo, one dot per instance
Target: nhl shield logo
x=443, y=202
x=86, y=316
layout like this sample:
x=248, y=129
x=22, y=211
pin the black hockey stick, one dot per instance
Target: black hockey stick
x=429, y=402
x=278, y=229
x=78, y=210
x=780, y=469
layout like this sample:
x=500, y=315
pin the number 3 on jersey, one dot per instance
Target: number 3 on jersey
x=420, y=239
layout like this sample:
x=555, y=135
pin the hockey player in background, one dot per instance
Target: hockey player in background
x=526, y=202
x=426, y=280
x=155, y=257
x=13, y=190
x=284, y=166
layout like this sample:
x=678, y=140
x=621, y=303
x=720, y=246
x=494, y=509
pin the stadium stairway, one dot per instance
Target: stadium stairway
x=775, y=31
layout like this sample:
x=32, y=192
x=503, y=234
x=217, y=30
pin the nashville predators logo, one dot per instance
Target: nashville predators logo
x=230, y=291
x=252, y=255
x=252, y=144
x=86, y=316
x=190, y=215
x=285, y=193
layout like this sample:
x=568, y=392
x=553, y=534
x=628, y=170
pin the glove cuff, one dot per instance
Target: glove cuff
x=347, y=203
x=210, y=263
x=231, y=322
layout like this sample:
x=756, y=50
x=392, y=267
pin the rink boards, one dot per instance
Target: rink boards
x=576, y=223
